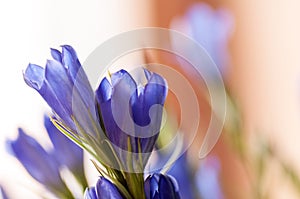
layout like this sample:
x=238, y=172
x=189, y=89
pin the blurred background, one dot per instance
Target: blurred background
x=254, y=43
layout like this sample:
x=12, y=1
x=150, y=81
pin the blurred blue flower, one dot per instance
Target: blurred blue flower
x=207, y=179
x=40, y=164
x=159, y=186
x=182, y=172
x=128, y=110
x=210, y=28
x=44, y=166
x=66, y=152
x=3, y=195
x=104, y=190
x=64, y=85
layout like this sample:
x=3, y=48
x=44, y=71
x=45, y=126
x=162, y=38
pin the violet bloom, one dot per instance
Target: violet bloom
x=210, y=28
x=40, y=164
x=44, y=166
x=207, y=179
x=132, y=111
x=118, y=126
x=181, y=170
x=64, y=86
x=67, y=153
x=104, y=190
x=159, y=186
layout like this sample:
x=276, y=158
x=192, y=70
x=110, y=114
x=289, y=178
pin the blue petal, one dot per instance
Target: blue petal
x=147, y=187
x=65, y=151
x=34, y=76
x=56, y=54
x=181, y=171
x=61, y=85
x=64, y=86
x=82, y=100
x=147, y=74
x=161, y=186
x=166, y=188
x=149, y=103
x=106, y=190
x=154, y=184
x=90, y=193
x=114, y=105
x=39, y=164
x=70, y=60
x=103, y=93
x=151, y=186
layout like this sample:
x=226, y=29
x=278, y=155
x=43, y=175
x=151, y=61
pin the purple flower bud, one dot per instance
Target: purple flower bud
x=37, y=161
x=104, y=190
x=159, y=186
x=131, y=111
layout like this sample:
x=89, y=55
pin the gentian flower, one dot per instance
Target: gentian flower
x=159, y=186
x=67, y=153
x=45, y=166
x=104, y=190
x=210, y=28
x=118, y=125
x=41, y=165
x=207, y=179
x=125, y=109
x=63, y=85
x=181, y=170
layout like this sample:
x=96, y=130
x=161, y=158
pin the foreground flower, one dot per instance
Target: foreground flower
x=118, y=126
x=159, y=186
x=181, y=170
x=44, y=166
x=125, y=108
x=104, y=190
x=64, y=85
x=67, y=153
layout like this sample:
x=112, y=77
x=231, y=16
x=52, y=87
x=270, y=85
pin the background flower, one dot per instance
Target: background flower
x=45, y=165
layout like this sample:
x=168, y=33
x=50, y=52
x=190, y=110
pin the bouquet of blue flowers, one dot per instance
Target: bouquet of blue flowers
x=118, y=125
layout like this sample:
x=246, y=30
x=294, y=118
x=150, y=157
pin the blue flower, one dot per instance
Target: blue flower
x=44, y=166
x=181, y=170
x=104, y=190
x=131, y=111
x=207, y=179
x=66, y=152
x=63, y=85
x=159, y=186
x=211, y=28
x=41, y=165
x=123, y=116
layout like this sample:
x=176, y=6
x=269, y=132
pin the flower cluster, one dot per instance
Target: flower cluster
x=45, y=165
x=117, y=125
